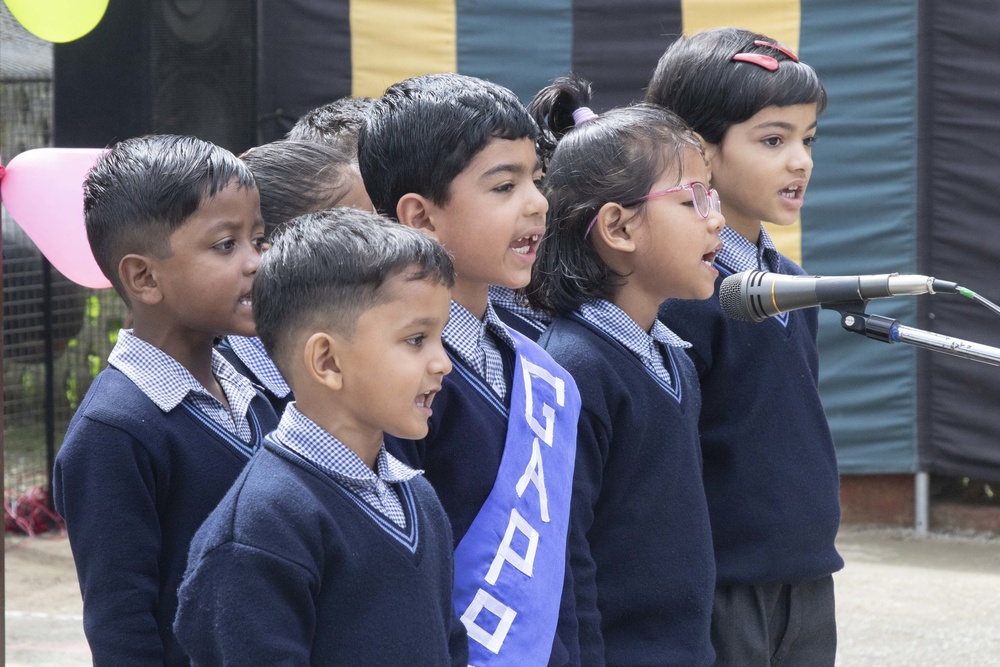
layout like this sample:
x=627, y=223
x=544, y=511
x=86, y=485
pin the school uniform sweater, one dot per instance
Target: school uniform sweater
x=640, y=537
x=294, y=569
x=134, y=483
x=460, y=457
x=770, y=466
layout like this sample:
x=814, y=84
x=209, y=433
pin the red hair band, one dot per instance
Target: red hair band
x=767, y=62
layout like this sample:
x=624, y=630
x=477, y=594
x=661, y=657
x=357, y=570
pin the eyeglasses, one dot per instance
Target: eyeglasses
x=705, y=200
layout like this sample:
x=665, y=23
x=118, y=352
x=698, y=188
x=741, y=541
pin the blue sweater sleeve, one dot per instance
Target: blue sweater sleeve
x=591, y=455
x=235, y=576
x=118, y=567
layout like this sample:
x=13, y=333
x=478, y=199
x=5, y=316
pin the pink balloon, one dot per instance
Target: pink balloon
x=43, y=191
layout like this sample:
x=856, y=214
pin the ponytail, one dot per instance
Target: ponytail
x=556, y=109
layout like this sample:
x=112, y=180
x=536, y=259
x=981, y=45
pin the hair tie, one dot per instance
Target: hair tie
x=583, y=115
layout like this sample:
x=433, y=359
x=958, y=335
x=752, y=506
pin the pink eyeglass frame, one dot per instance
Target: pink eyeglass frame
x=713, y=201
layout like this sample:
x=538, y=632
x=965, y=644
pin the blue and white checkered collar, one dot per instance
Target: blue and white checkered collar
x=464, y=332
x=315, y=444
x=508, y=298
x=612, y=320
x=164, y=379
x=739, y=254
x=251, y=352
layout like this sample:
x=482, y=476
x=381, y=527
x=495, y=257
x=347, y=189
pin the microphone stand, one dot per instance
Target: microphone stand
x=878, y=327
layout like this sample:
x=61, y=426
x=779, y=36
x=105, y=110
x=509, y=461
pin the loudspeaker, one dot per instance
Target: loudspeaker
x=160, y=66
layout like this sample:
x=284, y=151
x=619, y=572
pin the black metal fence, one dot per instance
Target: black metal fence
x=56, y=334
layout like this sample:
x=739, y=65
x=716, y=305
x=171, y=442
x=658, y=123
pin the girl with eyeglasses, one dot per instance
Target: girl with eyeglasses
x=770, y=467
x=632, y=222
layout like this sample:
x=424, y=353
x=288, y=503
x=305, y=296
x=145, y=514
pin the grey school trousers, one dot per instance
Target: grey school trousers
x=775, y=624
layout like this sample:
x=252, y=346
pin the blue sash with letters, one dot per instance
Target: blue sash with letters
x=510, y=565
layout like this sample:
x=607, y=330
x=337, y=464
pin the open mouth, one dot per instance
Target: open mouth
x=525, y=244
x=792, y=193
x=425, y=399
x=709, y=257
x=245, y=300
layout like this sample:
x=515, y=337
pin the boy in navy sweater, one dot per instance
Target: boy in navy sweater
x=328, y=550
x=174, y=223
x=770, y=466
x=294, y=178
x=454, y=157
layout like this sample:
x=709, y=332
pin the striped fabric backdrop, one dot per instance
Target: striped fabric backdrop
x=861, y=215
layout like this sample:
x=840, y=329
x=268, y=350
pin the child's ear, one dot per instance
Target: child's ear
x=138, y=278
x=710, y=150
x=414, y=210
x=320, y=357
x=615, y=228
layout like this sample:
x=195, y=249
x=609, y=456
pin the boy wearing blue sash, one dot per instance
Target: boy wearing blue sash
x=327, y=550
x=454, y=157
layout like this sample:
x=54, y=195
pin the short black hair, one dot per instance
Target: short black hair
x=144, y=188
x=324, y=269
x=614, y=157
x=336, y=123
x=698, y=79
x=424, y=131
x=298, y=177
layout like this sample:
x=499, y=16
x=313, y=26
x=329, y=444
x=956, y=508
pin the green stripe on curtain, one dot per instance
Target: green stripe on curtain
x=520, y=44
x=860, y=218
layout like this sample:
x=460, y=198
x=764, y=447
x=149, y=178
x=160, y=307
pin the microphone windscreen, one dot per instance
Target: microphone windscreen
x=731, y=300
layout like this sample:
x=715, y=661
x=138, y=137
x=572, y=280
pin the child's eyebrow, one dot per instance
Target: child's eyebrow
x=424, y=322
x=782, y=125
x=512, y=168
x=232, y=224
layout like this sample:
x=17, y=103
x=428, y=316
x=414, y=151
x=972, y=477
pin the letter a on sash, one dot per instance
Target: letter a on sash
x=535, y=474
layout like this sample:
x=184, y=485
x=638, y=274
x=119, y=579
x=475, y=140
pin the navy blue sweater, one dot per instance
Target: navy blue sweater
x=770, y=466
x=529, y=328
x=134, y=484
x=460, y=457
x=293, y=569
x=641, y=543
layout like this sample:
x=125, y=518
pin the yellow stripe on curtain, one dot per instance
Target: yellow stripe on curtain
x=778, y=19
x=392, y=40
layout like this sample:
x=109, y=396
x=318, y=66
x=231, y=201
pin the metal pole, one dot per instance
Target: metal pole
x=922, y=503
x=50, y=373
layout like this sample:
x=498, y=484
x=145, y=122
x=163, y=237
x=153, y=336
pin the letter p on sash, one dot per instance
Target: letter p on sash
x=528, y=371
x=525, y=563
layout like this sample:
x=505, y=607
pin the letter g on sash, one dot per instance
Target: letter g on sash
x=528, y=371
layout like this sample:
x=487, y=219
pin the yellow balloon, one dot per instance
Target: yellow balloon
x=58, y=20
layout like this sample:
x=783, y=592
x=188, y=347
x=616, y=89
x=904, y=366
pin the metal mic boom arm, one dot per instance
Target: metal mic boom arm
x=888, y=330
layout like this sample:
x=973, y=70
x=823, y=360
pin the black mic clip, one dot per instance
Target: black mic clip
x=876, y=327
x=854, y=318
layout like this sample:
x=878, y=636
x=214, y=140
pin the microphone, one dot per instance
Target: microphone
x=757, y=295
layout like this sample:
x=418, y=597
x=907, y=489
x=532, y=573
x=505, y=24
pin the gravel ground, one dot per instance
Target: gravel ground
x=902, y=601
